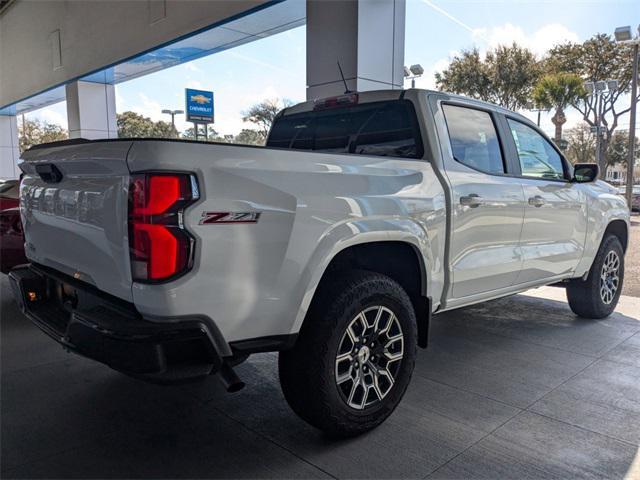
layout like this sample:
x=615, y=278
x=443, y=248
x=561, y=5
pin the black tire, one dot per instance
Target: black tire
x=308, y=371
x=584, y=296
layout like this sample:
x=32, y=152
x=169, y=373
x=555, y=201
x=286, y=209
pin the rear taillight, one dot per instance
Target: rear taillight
x=159, y=246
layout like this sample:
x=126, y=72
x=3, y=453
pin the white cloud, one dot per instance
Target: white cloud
x=190, y=66
x=428, y=79
x=229, y=108
x=539, y=42
x=550, y=35
x=52, y=116
x=56, y=114
x=148, y=107
x=119, y=101
x=195, y=84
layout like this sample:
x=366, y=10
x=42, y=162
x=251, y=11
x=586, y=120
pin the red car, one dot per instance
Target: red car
x=11, y=235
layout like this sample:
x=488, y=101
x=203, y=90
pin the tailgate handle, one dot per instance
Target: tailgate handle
x=49, y=173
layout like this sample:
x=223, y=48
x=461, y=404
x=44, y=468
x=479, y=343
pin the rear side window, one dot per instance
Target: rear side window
x=379, y=128
x=474, y=141
x=537, y=157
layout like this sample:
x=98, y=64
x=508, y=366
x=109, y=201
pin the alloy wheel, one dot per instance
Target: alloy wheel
x=610, y=277
x=369, y=357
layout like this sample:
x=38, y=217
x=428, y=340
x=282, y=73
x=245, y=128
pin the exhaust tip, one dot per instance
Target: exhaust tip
x=235, y=387
x=230, y=379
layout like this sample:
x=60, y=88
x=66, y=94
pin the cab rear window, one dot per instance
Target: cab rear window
x=381, y=128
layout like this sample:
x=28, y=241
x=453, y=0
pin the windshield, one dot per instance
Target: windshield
x=380, y=128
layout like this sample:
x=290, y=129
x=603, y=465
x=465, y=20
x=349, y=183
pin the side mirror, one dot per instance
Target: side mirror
x=585, y=172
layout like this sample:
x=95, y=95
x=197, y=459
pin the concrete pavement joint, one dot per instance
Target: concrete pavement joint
x=460, y=389
x=473, y=444
x=274, y=442
x=559, y=385
x=583, y=428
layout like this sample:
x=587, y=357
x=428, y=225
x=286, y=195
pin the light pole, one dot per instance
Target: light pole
x=623, y=35
x=598, y=90
x=534, y=108
x=413, y=72
x=173, y=114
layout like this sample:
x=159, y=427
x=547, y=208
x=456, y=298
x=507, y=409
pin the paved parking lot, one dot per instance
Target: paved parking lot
x=516, y=388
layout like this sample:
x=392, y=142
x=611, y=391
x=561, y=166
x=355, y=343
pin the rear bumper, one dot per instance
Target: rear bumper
x=109, y=330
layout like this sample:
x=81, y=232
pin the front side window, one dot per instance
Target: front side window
x=537, y=157
x=474, y=141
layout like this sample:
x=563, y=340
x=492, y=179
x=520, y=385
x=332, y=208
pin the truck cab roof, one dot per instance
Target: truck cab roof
x=387, y=95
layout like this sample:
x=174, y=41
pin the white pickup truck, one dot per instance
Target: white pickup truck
x=364, y=215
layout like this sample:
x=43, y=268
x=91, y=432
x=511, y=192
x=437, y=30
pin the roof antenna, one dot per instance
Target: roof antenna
x=346, y=88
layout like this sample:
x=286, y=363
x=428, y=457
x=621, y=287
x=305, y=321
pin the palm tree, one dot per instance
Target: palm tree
x=558, y=91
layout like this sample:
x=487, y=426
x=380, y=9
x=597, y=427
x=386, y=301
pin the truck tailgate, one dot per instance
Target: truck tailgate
x=74, y=210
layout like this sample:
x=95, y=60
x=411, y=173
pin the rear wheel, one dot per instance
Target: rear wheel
x=354, y=356
x=597, y=296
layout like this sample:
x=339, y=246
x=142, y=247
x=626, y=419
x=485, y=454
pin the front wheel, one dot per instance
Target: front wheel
x=597, y=296
x=354, y=356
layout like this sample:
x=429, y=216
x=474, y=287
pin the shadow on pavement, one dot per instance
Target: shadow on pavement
x=517, y=387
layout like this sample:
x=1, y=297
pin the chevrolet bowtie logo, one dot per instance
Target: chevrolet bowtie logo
x=201, y=99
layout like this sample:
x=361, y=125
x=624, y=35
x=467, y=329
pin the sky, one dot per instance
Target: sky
x=436, y=30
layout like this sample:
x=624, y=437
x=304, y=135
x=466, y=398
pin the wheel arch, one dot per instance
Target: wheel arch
x=400, y=259
x=620, y=229
x=602, y=222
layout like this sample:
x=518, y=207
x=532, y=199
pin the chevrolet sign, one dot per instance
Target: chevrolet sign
x=199, y=106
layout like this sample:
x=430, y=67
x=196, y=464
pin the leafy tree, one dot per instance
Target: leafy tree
x=212, y=135
x=581, y=145
x=505, y=76
x=598, y=58
x=34, y=132
x=188, y=134
x=262, y=114
x=618, y=149
x=250, y=137
x=163, y=130
x=558, y=91
x=134, y=125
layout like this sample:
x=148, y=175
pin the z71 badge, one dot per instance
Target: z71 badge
x=211, y=218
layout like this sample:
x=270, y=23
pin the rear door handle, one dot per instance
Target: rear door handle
x=536, y=201
x=472, y=200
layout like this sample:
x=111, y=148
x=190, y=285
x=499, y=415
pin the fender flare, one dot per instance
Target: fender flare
x=358, y=232
x=594, y=237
